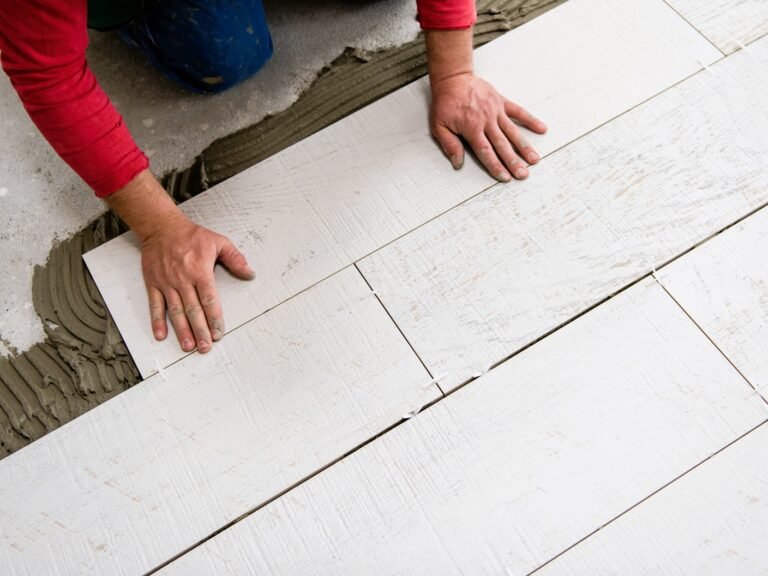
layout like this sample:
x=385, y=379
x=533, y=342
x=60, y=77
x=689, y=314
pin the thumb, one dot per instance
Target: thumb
x=451, y=145
x=234, y=261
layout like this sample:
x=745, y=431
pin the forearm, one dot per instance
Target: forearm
x=449, y=53
x=144, y=205
x=43, y=45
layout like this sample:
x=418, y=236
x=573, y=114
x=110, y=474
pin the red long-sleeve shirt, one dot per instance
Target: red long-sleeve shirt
x=42, y=45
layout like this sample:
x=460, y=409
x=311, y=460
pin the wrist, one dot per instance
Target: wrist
x=449, y=54
x=145, y=206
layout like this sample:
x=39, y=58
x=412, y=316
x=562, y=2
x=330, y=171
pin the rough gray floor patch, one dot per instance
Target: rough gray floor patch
x=83, y=361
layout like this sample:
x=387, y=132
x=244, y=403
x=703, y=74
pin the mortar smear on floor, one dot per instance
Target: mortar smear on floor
x=83, y=360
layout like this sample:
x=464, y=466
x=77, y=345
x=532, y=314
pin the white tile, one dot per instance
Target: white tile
x=137, y=480
x=514, y=468
x=711, y=522
x=723, y=285
x=506, y=267
x=729, y=24
x=364, y=181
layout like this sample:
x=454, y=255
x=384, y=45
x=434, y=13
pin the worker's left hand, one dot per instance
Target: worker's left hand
x=466, y=106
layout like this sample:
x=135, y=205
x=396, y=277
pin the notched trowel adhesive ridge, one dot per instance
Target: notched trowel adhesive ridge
x=83, y=361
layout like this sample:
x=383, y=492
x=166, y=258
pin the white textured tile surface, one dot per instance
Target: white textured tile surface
x=516, y=467
x=723, y=285
x=362, y=182
x=140, y=478
x=711, y=522
x=729, y=24
x=501, y=270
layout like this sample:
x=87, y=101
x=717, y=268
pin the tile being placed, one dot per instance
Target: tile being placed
x=508, y=472
x=710, y=522
x=346, y=191
x=729, y=24
x=139, y=479
x=494, y=274
x=723, y=285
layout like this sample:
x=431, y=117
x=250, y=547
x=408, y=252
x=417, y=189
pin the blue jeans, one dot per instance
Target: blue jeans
x=206, y=46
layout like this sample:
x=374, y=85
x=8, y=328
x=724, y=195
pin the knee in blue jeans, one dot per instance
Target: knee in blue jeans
x=205, y=45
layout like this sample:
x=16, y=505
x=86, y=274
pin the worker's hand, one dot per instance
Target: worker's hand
x=178, y=262
x=468, y=107
x=177, y=258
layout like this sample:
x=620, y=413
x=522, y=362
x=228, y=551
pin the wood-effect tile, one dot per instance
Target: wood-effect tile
x=710, y=522
x=729, y=24
x=142, y=477
x=494, y=274
x=511, y=470
x=723, y=285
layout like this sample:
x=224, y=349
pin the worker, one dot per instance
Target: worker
x=208, y=46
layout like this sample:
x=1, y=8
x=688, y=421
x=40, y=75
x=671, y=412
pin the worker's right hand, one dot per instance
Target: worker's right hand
x=178, y=263
x=177, y=259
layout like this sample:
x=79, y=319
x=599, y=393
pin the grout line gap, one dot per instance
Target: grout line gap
x=397, y=326
x=676, y=11
x=754, y=388
x=648, y=497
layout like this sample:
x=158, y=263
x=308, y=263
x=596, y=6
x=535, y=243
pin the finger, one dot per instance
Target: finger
x=519, y=141
x=234, y=261
x=157, y=313
x=525, y=118
x=451, y=145
x=488, y=157
x=196, y=318
x=209, y=300
x=179, y=320
x=503, y=148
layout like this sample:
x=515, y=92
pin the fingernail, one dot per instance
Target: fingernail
x=503, y=176
x=457, y=162
x=217, y=328
x=203, y=346
x=250, y=272
x=521, y=173
x=534, y=157
x=187, y=345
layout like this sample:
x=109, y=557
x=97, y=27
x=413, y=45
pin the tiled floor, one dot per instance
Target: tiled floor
x=532, y=386
x=350, y=189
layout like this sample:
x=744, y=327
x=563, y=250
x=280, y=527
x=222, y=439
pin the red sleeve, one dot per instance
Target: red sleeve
x=446, y=14
x=43, y=46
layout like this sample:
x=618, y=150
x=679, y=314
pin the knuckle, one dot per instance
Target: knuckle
x=522, y=142
x=500, y=141
x=192, y=309
x=509, y=128
x=175, y=311
x=486, y=151
x=208, y=301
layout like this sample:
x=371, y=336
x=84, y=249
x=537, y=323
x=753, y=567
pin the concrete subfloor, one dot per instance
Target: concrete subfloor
x=42, y=200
